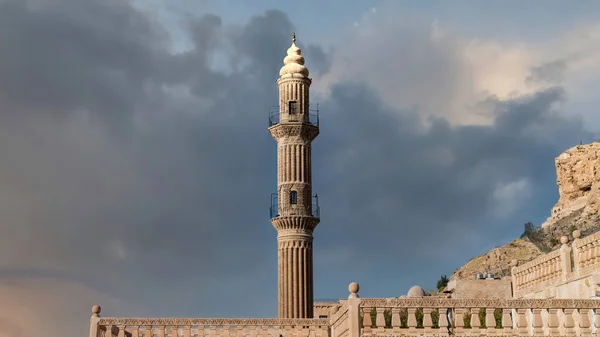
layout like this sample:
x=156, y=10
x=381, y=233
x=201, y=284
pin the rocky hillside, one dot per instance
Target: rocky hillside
x=578, y=180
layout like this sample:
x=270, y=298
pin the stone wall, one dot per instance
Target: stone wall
x=492, y=288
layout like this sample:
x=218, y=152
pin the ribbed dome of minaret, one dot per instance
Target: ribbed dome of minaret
x=294, y=61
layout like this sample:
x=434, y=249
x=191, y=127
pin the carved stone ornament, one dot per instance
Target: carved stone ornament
x=316, y=322
x=479, y=303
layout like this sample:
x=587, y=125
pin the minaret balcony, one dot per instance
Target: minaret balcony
x=275, y=114
x=295, y=209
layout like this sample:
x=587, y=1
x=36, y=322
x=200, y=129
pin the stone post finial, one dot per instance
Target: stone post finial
x=96, y=311
x=565, y=257
x=294, y=37
x=514, y=262
x=576, y=234
x=94, y=321
x=353, y=289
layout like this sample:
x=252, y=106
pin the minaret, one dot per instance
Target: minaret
x=293, y=215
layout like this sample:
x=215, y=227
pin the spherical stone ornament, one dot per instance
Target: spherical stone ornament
x=514, y=262
x=564, y=240
x=577, y=234
x=353, y=288
x=96, y=309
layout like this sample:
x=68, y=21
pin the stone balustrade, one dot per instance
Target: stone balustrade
x=339, y=321
x=547, y=270
x=586, y=253
x=209, y=327
x=550, y=274
x=383, y=317
x=437, y=316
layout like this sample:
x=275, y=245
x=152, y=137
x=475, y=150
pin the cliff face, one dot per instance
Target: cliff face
x=578, y=180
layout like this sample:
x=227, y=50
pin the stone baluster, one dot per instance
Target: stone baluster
x=287, y=331
x=135, y=331
x=553, y=324
x=367, y=322
x=427, y=322
x=545, y=272
x=264, y=332
x=490, y=321
x=161, y=331
x=507, y=324
x=522, y=327
x=576, y=248
x=537, y=323
x=173, y=331
x=584, y=322
x=597, y=320
x=252, y=331
x=443, y=322
x=584, y=255
x=325, y=331
x=459, y=320
x=108, y=331
x=475, y=321
x=212, y=332
x=121, y=328
x=199, y=328
x=396, y=318
x=568, y=322
x=148, y=331
x=412, y=318
x=379, y=319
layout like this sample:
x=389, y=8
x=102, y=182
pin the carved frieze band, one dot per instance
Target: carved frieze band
x=306, y=132
x=290, y=222
x=479, y=303
x=215, y=321
x=294, y=244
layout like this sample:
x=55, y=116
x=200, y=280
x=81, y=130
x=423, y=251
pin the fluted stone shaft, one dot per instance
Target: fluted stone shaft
x=295, y=221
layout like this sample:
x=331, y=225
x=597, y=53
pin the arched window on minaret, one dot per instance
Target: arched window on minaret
x=292, y=107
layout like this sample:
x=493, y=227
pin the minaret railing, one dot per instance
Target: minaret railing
x=274, y=209
x=313, y=115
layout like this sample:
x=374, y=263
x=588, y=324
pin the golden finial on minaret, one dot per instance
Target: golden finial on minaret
x=294, y=37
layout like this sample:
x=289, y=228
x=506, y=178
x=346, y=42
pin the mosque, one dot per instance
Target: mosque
x=528, y=303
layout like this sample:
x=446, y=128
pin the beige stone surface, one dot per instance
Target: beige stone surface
x=294, y=221
x=499, y=289
x=578, y=180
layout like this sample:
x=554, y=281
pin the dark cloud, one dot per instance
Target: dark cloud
x=170, y=212
x=551, y=72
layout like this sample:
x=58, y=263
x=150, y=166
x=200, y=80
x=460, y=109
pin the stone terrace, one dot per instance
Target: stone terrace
x=354, y=317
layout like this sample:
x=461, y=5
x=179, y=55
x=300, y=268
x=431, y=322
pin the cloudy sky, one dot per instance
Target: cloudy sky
x=137, y=167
